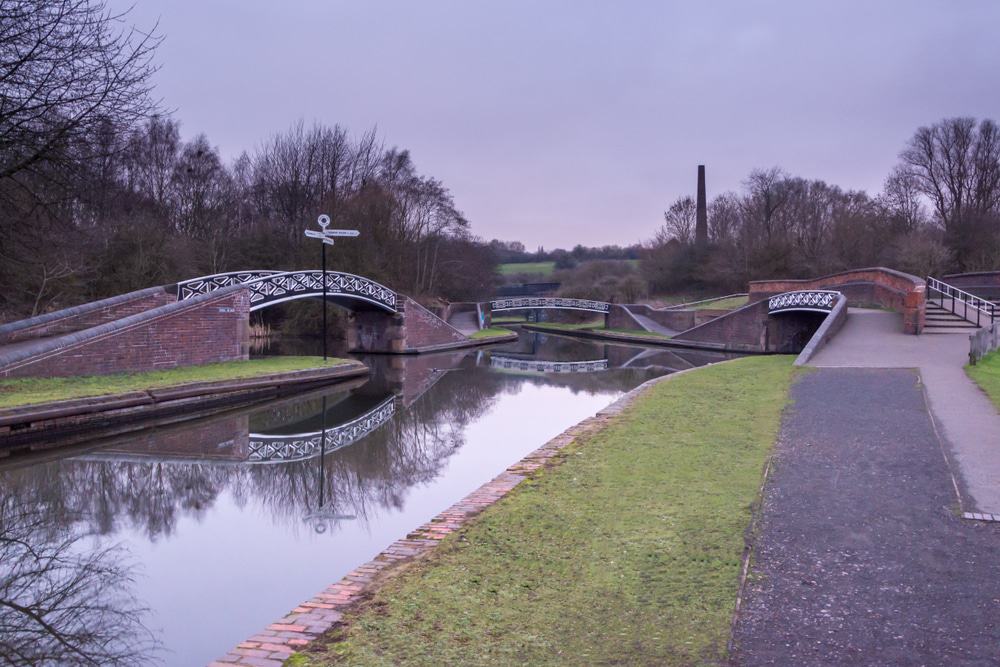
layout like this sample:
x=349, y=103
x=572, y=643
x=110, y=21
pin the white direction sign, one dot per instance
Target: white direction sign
x=328, y=234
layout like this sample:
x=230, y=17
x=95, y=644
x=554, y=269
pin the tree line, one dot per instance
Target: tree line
x=100, y=195
x=938, y=212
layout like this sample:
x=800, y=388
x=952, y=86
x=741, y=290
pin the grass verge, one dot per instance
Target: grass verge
x=490, y=332
x=628, y=553
x=986, y=373
x=596, y=327
x=730, y=303
x=543, y=268
x=25, y=391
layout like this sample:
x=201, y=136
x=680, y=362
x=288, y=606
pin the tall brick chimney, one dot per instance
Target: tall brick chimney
x=701, y=223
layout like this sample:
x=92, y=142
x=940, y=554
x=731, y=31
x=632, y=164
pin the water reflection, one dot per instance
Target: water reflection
x=62, y=603
x=321, y=481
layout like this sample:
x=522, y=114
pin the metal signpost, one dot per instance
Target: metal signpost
x=326, y=235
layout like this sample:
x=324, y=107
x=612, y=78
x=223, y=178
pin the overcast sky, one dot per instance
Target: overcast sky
x=557, y=123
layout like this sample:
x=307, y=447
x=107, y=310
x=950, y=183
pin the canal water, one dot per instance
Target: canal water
x=175, y=543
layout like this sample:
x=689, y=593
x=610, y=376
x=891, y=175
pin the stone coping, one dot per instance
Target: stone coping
x=827, y=330
x=41, y=419
x=916, y=281
x=312, y=618
x=45, y=318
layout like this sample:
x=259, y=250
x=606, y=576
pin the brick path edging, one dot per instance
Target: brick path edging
x=312, y=618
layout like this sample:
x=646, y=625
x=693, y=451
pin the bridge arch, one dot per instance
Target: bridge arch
x=813, y=301
x=548, y=302
x=268, y=288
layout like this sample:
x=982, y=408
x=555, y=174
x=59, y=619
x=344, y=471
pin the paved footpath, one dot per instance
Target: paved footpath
x=968, y=420
x=860, y=557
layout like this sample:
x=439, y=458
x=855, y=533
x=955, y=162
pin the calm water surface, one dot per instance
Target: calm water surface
x=176, y=543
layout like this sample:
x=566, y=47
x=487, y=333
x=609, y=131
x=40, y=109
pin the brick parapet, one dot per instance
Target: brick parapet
x=206, y=329
x=878, y=286
x=85, y=316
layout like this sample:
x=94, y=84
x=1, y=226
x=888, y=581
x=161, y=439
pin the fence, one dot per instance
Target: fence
x=983, y=342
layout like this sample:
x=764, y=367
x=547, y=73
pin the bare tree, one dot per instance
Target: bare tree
x=956, y=164
x=66, y=68
x=679, y=221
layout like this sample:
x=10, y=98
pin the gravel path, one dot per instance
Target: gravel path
x=860, y=558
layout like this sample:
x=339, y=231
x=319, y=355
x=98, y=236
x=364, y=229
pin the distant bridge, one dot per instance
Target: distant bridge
x=553, y=302
x=268, y=288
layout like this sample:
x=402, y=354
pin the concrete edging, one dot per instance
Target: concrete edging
x=314, y=617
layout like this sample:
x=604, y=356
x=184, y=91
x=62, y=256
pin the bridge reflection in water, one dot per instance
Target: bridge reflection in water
x=207, y=507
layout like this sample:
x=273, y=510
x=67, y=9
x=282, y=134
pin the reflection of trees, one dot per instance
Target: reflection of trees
x=61, y=604
x=376, y=472
x=152, y=495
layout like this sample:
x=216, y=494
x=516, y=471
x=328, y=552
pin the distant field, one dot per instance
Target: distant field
x=543, y=268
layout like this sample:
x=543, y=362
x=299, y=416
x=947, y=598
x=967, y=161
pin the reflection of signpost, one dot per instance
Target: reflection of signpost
x=327, y=236
x=324, y=516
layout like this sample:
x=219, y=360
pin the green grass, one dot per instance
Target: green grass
x=543, y=268
x=509, y=319
x=627, y=553
x=596, y=327
x=25, y=391
x=731, y=303
x=490, y=332
x=986, y=373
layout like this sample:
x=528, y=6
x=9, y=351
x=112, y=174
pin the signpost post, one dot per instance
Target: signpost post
x=326, y=236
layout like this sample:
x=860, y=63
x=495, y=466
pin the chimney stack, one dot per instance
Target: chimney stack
x=701, y=223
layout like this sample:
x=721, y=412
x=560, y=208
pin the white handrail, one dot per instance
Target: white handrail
x=970, y=299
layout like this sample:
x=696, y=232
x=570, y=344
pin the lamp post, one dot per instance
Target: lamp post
x=326, y=236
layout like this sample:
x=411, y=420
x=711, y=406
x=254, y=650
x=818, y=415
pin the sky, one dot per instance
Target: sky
x=574, y=121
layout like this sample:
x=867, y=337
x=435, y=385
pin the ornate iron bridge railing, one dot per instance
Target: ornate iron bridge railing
x=297, y=446
x=535, y=366
x=819, y=301
x=523, y=303
x=270, y=287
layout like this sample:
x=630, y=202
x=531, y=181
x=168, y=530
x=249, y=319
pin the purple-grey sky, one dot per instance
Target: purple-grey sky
x=578, y=121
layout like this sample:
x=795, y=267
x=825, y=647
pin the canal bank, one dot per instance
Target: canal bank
x=632, y=546
x=34, y=409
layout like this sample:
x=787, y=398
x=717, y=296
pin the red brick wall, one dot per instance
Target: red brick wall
x=752, y=329
x=189, y=333
x=891, y=289
x=74, y=321
x=423, y=328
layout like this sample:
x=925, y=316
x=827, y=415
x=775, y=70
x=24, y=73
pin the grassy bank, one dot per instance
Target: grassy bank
x=596, y=327
x=626, y=553
x=986, y=373
x=490, y=332
x=25, y=391
x=730, y=303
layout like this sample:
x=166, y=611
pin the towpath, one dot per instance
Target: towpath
x=967, y=419
x=860, y=557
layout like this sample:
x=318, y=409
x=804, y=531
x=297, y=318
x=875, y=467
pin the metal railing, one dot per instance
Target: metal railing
x=969, y=307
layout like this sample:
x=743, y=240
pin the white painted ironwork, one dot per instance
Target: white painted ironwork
x=537, y=366
x=270, y=287
x=820, y=301
x=528, y=303
x=961, y=302
x=265, y=448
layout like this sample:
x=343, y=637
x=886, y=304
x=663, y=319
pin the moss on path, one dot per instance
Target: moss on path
x=627, y=553
x=490, y=332
x=25, y=391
